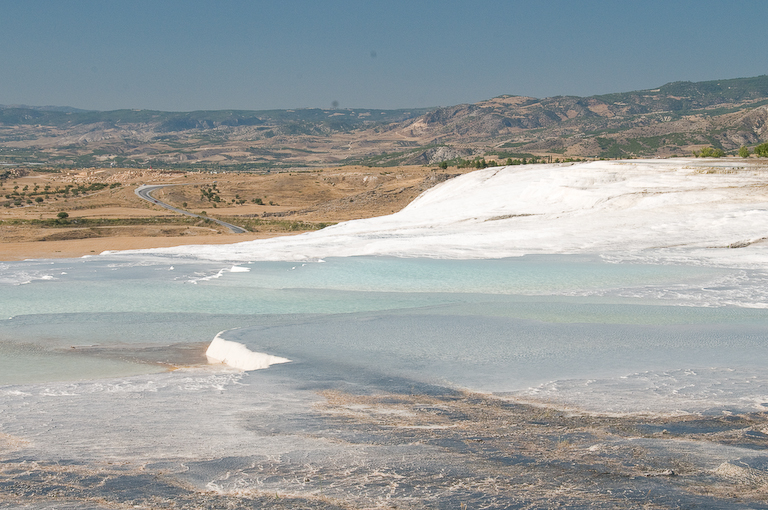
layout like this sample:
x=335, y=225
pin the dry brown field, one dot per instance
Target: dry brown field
x=104, y=212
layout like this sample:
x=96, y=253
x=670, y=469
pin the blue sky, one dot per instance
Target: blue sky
x=182, y=55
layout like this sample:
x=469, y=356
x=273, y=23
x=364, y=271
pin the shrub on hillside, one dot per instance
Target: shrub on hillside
x=709, y=152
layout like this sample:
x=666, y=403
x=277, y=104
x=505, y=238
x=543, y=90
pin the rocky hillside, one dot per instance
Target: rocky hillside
x=666, y=121
x=673, y=119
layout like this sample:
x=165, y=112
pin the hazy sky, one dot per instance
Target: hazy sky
x=184, y=55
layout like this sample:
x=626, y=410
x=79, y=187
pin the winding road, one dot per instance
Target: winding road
x=144, y=192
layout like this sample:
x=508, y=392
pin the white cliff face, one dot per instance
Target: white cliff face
x=649, y=208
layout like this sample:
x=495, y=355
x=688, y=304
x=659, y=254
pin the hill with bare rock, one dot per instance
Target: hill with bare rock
x=672, y=120
x=666, y=121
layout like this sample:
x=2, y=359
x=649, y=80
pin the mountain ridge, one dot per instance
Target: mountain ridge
x=670, y=120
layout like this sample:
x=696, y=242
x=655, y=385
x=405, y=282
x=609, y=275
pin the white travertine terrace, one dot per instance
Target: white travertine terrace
x=697, y=209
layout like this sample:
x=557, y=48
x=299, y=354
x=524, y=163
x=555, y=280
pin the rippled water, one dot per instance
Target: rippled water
x=103, y=373
x=486, y=325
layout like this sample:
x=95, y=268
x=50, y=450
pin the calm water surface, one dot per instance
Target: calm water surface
x=104, y=388
x=485, y=325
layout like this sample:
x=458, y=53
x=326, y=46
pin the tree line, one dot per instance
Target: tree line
x=761, y=151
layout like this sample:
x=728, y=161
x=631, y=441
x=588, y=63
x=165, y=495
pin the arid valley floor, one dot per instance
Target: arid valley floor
x=105, y=214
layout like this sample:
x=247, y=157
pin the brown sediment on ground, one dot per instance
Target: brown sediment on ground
x=110, y=216
x=459, y=450
x=172, y=357
x=546, y=456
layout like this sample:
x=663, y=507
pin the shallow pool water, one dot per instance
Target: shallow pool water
x=404, y=384
x=507, y=325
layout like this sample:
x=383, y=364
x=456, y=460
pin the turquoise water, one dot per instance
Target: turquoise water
x=491, y=325
x=338, y=285
x=103, y=373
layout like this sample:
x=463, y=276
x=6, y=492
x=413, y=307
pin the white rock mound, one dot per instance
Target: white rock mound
x=237, y=355
x=604, y=207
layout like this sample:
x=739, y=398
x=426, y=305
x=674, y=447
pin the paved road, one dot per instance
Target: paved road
x=144, y=191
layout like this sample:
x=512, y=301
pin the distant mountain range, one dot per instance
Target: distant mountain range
x=671, y=120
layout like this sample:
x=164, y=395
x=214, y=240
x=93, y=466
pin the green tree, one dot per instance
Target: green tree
x=762, y=150
x=443, y=165
x=62, y=215
x=743, y=152
x=709, y=152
